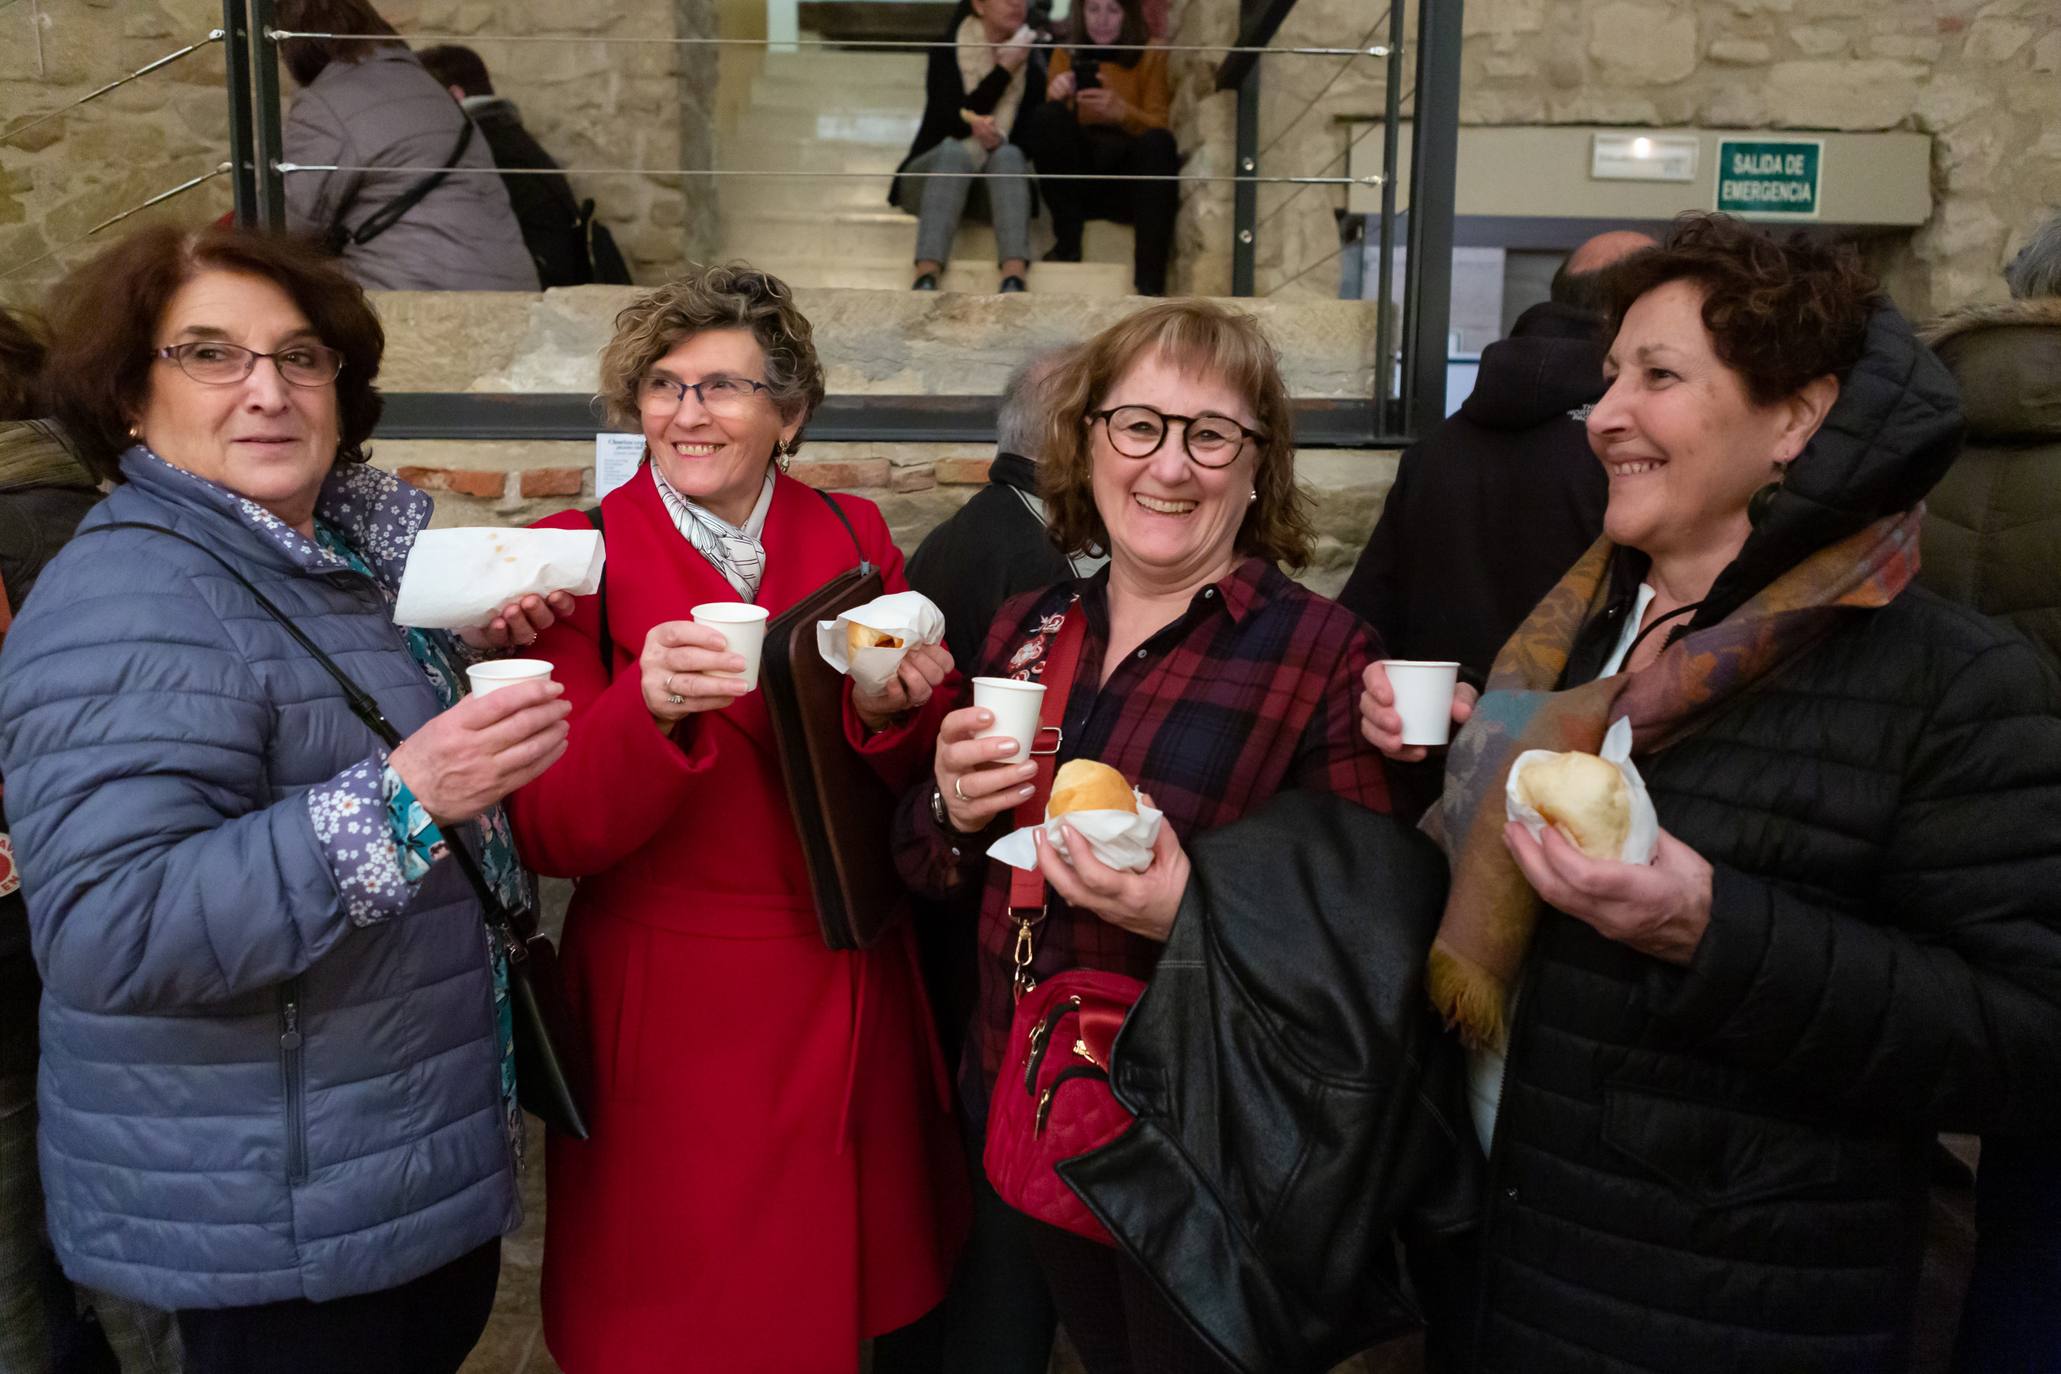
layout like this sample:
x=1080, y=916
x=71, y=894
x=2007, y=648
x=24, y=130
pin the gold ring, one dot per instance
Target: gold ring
x=961, y=795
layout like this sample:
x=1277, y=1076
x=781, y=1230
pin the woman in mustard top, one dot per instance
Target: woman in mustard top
x=1105, y=112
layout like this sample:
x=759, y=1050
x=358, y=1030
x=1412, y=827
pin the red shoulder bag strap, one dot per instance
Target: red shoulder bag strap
x=1027, y=886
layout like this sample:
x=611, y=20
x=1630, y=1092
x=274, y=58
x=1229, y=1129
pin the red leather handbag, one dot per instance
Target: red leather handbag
x=1052, y=1100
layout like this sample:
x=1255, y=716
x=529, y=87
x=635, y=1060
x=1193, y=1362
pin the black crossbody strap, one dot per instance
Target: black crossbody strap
x=865, y=564
x=362, y=706
x=389, y=214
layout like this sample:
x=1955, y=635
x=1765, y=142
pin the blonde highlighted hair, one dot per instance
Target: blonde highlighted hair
x=1197, y=336
x=724, y=296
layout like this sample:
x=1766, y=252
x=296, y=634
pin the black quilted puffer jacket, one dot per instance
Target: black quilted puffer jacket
x=1723, y=1167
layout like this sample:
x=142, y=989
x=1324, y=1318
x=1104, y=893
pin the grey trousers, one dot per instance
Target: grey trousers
x=144, y=1341
x=940, y=202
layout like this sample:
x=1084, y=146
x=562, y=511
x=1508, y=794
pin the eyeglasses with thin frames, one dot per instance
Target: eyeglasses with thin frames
x=212, y=363
x=1212, y=441
x=720, y=394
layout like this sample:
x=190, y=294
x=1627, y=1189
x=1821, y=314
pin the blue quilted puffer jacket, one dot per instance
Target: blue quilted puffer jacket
x=246, y=1097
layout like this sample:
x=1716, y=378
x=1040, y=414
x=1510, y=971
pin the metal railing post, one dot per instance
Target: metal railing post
x=1245, y=194
x=1391, y=142
x=243, y=164
x=1435, y=143
x=263, y=57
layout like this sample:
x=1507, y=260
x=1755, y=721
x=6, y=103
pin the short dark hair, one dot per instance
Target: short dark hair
x=1780, y=313
x=306, y=58
x=104, y=318
x=21, y=365
x=455, y=65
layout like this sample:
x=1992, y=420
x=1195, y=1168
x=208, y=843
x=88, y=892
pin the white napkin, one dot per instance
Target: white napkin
x=1641, y=838
x=460, y=578
x=1117, y=838
x=909, y=616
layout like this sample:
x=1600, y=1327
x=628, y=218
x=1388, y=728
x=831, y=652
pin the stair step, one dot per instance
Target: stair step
x=965, y=276
x=828, y=124
x=829, y=66
x=889, y=234
x=750, y=148
x=864, y=89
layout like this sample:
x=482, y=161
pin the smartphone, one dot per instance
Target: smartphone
x=1087, y=74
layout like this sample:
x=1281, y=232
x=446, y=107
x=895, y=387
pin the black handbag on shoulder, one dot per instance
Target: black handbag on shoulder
x=550, y=1064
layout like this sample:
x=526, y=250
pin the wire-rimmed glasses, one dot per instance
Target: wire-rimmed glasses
x=1212, y=441
x=719, y=393
x=214, y=363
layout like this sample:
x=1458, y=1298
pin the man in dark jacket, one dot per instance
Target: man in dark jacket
x=553, y=225
x=1992, y=540
x=996, y=546
x=1496, y=503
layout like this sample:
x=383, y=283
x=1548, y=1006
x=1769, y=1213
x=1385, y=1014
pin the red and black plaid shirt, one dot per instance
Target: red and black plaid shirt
x=1252, y=691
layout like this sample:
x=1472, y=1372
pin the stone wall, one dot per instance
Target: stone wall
x=1982, y=76
x=623, y=104
x=873, y=343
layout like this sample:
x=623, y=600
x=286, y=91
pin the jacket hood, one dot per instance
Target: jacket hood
x=2007, y=359
x=1891, y=435
x=1551, y=363
x=36, y=453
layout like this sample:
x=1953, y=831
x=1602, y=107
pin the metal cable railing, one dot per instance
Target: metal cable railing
x=291, y=168
x=214, y=36
x=836, y=44
x=160, y=198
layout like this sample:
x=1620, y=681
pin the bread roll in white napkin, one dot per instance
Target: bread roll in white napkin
x=1642, y=836
x=460, y=578
x=910, y=617
x=1117, y=838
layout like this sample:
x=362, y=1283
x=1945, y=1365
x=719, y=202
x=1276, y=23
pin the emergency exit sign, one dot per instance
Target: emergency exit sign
x=1765, y=177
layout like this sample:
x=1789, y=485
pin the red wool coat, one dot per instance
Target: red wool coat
x=774, y=1172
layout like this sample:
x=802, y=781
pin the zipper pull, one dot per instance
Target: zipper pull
x=292, y=1039
x=1022, y=982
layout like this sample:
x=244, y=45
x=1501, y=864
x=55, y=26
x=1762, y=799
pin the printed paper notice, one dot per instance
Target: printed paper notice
x=616, y=458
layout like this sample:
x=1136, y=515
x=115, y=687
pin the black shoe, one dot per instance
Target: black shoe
x=1013, y=283
x=1060, y=252
x=926, y=282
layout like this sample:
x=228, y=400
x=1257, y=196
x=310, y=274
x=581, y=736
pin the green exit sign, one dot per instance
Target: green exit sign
x=1769, y=177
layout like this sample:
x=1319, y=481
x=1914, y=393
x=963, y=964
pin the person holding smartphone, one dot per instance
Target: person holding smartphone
x=1105, y=112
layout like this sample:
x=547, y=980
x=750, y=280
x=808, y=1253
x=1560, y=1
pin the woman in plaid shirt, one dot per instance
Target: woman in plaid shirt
x=1206, y=677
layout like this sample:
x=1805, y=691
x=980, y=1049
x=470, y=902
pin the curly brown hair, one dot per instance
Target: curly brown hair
x=104, y=319
x=732, y=295
x=1225, y=345
x=1780, y=313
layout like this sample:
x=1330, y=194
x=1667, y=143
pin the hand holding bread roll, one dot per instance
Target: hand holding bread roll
x=1098, y=804
x=857, y=637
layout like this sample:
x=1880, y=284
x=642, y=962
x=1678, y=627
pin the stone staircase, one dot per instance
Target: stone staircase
x=829, y=111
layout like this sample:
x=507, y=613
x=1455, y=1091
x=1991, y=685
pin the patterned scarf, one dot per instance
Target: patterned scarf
x=1491, y=910
x=734, y=551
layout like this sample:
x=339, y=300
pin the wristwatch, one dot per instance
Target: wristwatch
x=937, y=809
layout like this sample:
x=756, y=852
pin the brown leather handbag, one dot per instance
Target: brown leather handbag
x=841, y=808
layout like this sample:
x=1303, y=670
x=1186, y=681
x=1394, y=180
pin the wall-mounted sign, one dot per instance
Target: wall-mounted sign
x=1769, y=177
x=1642, y=157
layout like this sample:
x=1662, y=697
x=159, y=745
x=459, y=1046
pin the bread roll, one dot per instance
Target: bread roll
x=1085, y=785
x=1584, y=797
x=857, y=637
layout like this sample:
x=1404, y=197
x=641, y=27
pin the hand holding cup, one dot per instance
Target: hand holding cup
x=464, y=760
x=979, y=778
x=686, y=668
x=1382, y=721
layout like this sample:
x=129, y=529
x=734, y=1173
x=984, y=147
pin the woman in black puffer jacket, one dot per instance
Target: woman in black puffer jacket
x=1708, y=1143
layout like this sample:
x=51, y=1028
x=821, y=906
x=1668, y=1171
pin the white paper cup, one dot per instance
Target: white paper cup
x=506, y=672
x=1424, y=696
x=743, y=627
x=1016, y=706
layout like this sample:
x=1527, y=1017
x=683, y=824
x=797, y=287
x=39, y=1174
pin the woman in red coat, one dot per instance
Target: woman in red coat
x=772, y=1175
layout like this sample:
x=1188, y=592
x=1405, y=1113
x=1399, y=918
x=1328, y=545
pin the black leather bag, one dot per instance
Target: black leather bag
x=550, y=1063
